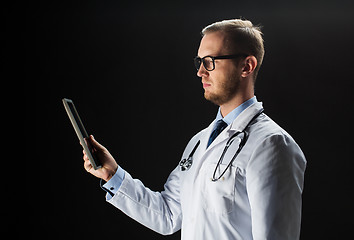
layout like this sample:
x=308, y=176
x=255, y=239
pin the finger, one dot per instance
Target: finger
x=81, y=144
x=96, y=144
x=84, y=152
x=85, y=157
x=87, y=166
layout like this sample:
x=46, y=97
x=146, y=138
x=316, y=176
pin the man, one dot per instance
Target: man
x=249, y=189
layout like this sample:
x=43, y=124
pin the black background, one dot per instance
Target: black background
x=128, y=67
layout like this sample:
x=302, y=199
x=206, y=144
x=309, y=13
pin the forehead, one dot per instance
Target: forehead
x=212, y=44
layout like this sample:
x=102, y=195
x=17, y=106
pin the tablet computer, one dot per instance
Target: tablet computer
x=81, y=132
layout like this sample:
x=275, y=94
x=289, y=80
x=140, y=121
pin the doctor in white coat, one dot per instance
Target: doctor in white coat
x=250, y=189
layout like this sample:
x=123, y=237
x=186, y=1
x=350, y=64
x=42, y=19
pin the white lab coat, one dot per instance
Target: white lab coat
x=258, y=198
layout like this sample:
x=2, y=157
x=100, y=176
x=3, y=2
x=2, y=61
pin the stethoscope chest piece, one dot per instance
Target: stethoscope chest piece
x=186, y=164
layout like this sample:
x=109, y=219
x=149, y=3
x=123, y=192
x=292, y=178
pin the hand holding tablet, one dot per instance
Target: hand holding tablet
x=98, y=160
x=109, y=165
x=81, y=132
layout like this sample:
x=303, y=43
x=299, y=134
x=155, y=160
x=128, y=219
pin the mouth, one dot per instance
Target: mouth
x=206, y=85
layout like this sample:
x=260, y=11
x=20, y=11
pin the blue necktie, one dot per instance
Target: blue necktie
x=220, y=125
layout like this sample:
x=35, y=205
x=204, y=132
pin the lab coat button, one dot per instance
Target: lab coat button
x=112, y=188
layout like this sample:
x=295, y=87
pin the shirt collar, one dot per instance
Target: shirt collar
x=229, y=118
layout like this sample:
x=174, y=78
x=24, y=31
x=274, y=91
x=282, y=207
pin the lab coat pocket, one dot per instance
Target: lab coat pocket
x=219, y=195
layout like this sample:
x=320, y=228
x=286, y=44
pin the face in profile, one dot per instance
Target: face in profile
x=221, y=84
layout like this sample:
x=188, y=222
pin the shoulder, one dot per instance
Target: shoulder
x=270, y=143
x=265, y=130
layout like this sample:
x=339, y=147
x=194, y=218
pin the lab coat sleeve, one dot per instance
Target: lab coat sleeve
x=159, y=211
x=275, y=175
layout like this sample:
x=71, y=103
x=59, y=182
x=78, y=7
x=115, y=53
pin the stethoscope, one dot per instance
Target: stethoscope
x=186, y=163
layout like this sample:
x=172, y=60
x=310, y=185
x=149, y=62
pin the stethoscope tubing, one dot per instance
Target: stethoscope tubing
x=228, y=144
x=187, y=163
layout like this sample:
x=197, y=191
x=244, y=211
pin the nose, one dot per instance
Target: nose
x=202, y=72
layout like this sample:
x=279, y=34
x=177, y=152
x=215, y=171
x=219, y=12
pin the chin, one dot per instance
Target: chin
x=214, y=98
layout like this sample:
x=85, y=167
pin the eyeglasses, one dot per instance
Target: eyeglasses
x=209, y=61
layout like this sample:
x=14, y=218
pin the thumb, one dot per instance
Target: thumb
x=96, y=144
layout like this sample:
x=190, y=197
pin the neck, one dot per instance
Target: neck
x=236, y=101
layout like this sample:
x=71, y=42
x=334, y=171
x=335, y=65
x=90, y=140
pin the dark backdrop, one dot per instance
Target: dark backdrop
x=128, y=67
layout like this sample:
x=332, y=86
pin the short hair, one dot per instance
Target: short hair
x=242, y=37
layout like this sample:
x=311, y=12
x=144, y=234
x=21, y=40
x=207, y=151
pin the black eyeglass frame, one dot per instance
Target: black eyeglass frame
x=199, y=60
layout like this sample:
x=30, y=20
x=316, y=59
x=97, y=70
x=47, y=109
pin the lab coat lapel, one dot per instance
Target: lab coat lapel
x=205, y=138
x=238, y=125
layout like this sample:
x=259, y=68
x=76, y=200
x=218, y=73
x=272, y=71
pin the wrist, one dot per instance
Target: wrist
x=110, y=174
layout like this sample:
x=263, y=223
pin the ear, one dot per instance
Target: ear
x=250, y=64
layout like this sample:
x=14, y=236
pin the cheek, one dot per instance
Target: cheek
x=219, y=80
